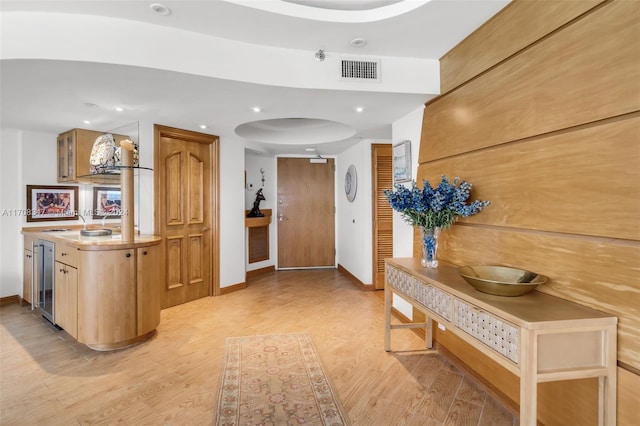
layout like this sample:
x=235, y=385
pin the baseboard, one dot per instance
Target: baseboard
x=9, y=300
x=232, y=288
x=256, y=272
x=355, y=280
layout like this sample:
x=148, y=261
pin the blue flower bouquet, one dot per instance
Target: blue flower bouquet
x=433, y=209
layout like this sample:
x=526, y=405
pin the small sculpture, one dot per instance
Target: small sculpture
x=255, y=211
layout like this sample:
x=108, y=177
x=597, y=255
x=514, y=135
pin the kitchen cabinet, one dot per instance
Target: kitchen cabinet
x=29, y=272
x=74, y=151
x=66, y=289
x=106, y=291
x=148, y=276
x=125, y=282
x=107, y=278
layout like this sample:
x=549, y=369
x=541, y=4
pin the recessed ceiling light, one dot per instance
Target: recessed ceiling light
x=359, y=109
x=119, y=109
x=86, y=122
x=160, y=8
x=203, y=126
x=358, y=42
x=256, y=109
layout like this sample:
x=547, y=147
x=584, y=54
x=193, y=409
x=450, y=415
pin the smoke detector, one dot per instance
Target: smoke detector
x=160, y=8
x=358, y=42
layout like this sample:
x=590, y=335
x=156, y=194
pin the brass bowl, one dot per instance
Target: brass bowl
x=501, y=280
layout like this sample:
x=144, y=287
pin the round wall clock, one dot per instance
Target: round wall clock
x=351, y=183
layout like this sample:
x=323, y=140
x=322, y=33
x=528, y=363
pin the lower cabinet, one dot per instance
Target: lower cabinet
x=106, y=297
x=66, y=298
x=27, y=276
x=29, y=272
x=118, y=298
x=148, y=276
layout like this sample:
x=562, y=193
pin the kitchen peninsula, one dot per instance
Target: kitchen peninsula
x=107, y=292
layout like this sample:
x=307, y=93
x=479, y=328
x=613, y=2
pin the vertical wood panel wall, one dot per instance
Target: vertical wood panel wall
x=541, y=112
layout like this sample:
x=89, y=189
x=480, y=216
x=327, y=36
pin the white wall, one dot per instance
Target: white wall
x=354, y=219
x=232, y=239
x=253, y=162
x=408, y=127
x=11, y=198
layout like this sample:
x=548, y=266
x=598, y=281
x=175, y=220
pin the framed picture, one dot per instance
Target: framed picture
x=107, y=201
x=51, y=202
x=402, y=162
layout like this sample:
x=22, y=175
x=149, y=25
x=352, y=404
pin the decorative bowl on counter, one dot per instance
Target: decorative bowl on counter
x=501, y=280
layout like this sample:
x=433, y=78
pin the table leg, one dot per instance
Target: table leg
x=387, y=318
x=528, y=378
x=429, y=333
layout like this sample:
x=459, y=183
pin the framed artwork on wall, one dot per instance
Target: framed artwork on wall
x=51, y=202
x=107, y=202
x=402, y=162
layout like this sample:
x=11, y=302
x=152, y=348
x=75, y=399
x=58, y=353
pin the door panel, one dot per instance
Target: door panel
x=382, y=157
x=306, y=213
x=186, y=192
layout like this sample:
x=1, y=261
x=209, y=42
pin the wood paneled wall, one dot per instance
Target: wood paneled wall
x=540, y=110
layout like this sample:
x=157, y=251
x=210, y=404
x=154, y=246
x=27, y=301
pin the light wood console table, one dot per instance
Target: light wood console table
x=538, y=337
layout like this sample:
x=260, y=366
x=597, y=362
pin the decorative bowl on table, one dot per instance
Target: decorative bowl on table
x=501, y=280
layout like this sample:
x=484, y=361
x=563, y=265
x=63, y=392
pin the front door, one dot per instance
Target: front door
x=185, y=173
x=306, y=213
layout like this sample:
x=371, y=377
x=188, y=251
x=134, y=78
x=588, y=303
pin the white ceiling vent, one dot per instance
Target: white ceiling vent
x=360, y=70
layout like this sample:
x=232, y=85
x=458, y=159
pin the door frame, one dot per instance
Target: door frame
x=161, y=131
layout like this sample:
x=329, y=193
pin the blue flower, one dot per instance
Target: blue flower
x=434, y=207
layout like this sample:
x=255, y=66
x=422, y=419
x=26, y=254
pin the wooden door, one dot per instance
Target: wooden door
x=382, y=171
x=306, y=213
x=184, y=213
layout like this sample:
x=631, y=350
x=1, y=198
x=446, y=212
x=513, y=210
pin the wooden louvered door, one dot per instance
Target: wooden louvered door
x=382, y=169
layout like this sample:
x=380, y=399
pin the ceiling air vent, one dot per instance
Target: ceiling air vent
x=360, y=70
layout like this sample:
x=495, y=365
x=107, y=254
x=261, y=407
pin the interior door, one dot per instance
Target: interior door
x=185, y=207
x=382, y=171
x=306, y=213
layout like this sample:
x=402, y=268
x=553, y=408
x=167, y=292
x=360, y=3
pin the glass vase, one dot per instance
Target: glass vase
x=429, y=237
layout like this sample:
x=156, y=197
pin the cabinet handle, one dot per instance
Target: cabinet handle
x=62, y=270
x=128, y=255
x=144, y=253
x=64, y=254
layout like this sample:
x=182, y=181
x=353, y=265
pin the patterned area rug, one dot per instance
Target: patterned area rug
x=275, y=380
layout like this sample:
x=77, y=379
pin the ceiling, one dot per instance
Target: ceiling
x=53, y=94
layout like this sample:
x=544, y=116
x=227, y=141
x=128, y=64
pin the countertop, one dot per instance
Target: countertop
x=70, y=236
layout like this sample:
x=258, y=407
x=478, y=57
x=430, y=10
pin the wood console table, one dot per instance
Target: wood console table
x=538, y=337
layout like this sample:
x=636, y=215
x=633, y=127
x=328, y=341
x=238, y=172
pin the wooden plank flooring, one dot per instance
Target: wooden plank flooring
x=48, y=378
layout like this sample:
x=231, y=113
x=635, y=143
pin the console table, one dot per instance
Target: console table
x=538, y=337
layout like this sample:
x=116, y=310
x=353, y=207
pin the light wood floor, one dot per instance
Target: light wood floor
x=48, y=378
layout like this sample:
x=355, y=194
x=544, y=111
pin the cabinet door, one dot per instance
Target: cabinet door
x=66, y=157
x=66, y=298
x=106, y=296
x=149, y=288
x=27, y=275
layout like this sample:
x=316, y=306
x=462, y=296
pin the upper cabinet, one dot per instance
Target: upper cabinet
x=74, y=152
